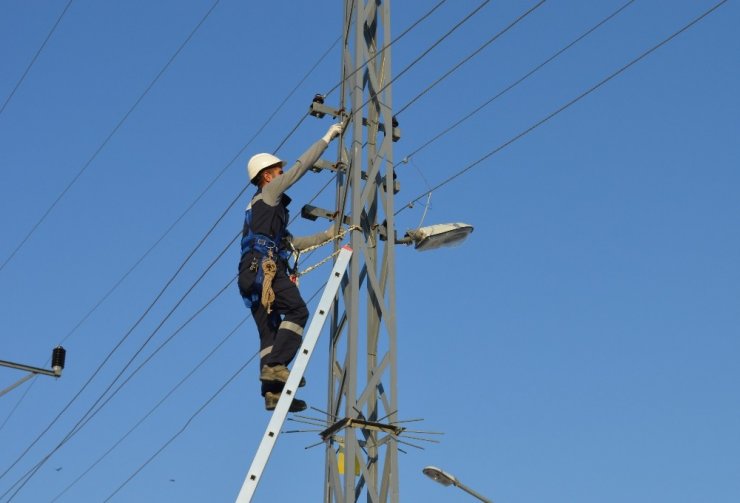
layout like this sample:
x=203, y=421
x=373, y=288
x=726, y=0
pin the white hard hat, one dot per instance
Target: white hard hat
x=261, y=161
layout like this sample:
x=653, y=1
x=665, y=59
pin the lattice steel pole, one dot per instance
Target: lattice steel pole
x=361, y=447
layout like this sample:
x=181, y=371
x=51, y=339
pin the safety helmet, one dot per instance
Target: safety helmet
x=261, y=161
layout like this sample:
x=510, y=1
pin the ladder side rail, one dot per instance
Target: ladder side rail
x=299, y=367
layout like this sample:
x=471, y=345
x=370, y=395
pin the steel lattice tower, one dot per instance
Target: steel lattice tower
x=361, y=447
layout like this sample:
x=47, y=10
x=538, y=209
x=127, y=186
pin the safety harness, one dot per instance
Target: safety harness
x=269, y=250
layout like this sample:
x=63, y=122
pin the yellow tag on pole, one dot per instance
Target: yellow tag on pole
x=340, y=462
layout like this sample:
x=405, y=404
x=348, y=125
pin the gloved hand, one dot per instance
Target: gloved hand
x=334, y=131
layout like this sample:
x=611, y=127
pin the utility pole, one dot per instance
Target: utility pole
x=361, y=446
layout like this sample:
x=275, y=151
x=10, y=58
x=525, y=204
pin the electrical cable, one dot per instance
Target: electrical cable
x=566, y=105
x=182, y=381
x=177, y=221
x=86, y=416
x=35, y=57
x=437, y=42
x=161, y=345
x=183, y=428
x=120, y=342
x=153, y=409
x=428, y=50
x=299, y=123
x=472, y=55
x=35, y=441
x=553, y=114
x=107, y=139
x=517, y=82
x=200, y=409
x=387, y=46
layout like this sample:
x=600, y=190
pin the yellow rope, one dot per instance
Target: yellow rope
x=268, y=295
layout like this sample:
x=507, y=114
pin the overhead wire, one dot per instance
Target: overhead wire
x=387, y=46
x=35, y=57
x=153, y=409
x=183, y=428
x=458, y=65
x=426, y=52
x=85, y=418
x=169, y=393
x=200, y=409
x=566, y=105
x=553, y=114
x=110, y=354
x=138, y=262
x=516, y=82
x=473, y=54
x=107, y=138
x=460, y=23
x=407, y=68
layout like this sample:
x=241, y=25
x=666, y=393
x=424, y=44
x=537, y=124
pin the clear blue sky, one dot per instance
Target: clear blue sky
x=581, y=346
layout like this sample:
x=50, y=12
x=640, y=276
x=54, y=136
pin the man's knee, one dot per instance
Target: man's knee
x=295, y=319
x=300, y=315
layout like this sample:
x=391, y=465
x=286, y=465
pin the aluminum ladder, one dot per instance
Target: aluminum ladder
x=299, y=367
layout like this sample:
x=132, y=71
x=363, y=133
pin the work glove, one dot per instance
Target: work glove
x=334, y=131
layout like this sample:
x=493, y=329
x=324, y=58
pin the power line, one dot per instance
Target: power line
x=536, y=125
x=200, y=409
x=88, y=415
x=108, y=138
x=387, y=46
x=566, y=105
x=153, y=409
x=472, y=55
x=515, y=83
x=179, y=218
x=163, y=343
x=35, y=57
x=409, y=66
x=183, y=428
x=430, y=48
x=172, y=390
x=120, y=342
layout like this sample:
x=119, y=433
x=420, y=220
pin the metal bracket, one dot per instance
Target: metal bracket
x=313, y=213
x=322, y=164
x=319, y=110
x=361, y=424
x=381, y=127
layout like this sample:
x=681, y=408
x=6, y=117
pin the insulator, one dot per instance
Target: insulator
x=318, y=98
x=394, y=121
x=57, y=357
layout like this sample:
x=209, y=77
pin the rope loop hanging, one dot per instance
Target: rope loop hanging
x=269, y=268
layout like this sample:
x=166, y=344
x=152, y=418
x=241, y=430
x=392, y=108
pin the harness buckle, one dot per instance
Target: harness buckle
x=267, y=243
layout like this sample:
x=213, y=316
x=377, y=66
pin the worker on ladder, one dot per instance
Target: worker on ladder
x=265, y=282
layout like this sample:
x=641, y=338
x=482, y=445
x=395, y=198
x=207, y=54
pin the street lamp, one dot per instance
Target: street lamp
x=437, y=236
x=447, y=479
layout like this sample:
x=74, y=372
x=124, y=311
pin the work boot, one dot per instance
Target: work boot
x=278, y=373
x=271, y=400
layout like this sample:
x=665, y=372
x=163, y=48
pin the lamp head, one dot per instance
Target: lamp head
x=439, y=235
x=439, y=475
